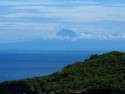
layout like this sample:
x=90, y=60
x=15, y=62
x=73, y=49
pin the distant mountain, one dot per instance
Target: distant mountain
x=66, y=32
x=100, y=74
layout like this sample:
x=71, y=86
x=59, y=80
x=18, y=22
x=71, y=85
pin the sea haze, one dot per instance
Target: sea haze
x=15, y=66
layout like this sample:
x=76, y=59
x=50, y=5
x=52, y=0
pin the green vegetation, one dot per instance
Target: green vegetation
x=100, y=74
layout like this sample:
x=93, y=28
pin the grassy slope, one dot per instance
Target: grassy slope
x=103, y=74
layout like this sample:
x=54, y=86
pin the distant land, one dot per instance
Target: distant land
x=63, y=45
x=100, y=74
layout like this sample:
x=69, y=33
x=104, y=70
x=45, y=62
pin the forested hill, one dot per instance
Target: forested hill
x=100, y=74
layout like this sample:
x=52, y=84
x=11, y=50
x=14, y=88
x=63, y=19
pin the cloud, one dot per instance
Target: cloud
x=100, y=37
x=73, y=14
x=80, y=12
x=29, y=26
x=29, y=20
x=21, y=14
x=21, y=36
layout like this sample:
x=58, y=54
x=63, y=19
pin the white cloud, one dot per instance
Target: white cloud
x=31, y=26
x=101, y=37
x=70, y=14
x=18, y=20
x=20, y=36
x=21, y=14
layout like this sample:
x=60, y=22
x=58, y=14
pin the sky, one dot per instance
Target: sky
x=59, y=25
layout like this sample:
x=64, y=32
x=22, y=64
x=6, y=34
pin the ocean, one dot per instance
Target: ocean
x=15, y=66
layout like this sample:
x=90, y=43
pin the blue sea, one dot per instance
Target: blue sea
x=14, y=66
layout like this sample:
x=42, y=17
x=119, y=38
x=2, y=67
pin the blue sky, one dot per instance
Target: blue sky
x=45, y=25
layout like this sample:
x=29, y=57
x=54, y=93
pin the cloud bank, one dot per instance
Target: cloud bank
x=73, y=20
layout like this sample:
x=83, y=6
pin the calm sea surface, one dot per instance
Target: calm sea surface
x=24, y=65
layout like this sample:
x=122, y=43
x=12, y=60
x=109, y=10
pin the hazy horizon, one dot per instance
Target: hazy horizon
x=56, y=25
